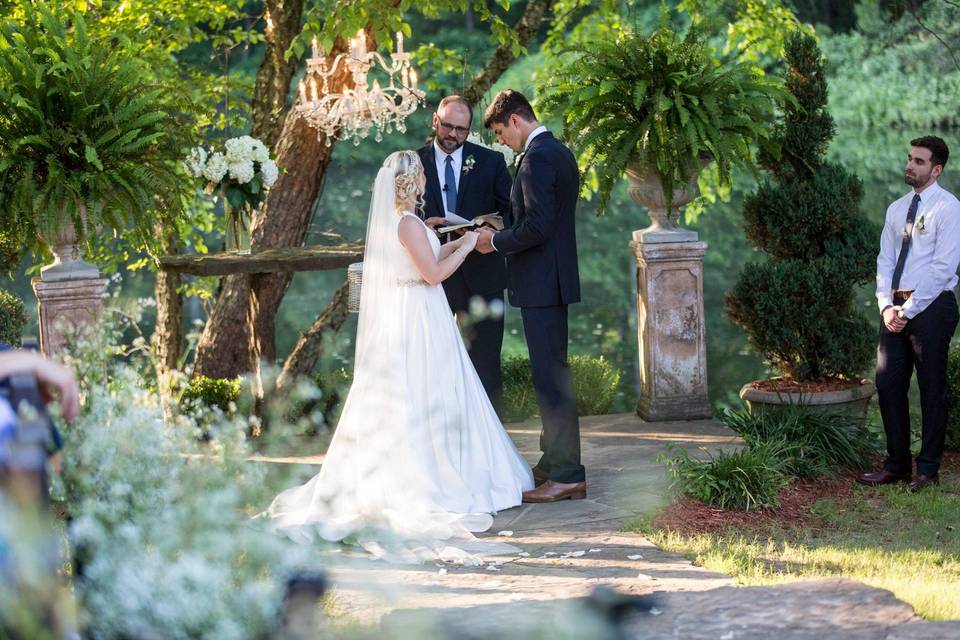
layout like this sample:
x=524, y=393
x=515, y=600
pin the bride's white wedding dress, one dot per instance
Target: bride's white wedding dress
x=419, y=459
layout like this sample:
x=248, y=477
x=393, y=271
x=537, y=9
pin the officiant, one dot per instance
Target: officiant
x=470, y=180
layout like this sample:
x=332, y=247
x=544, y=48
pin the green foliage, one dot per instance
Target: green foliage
x=12, y=318
x=662, y=100
x=213, y=392
x=85, y=137
x=595, y=383
x=812, y=443
x=333, y=387
x=749, y=478
x=797, y=308
x=953, y=400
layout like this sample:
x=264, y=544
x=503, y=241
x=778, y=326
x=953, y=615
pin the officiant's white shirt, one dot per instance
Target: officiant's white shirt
x=440, y=157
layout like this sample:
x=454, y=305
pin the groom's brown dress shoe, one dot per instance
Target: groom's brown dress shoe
x=551, y=491
x=539, y=476
x=924, y=481
x=883, y=477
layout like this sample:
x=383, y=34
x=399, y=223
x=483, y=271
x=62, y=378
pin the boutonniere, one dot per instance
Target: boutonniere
x=920, y=224
x=468, y=163
x=519, y=158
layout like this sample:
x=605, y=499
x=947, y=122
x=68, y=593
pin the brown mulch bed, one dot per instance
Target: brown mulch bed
x=789, y=385
x=689, y=516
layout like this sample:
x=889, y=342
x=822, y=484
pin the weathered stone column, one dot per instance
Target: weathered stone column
x=72, y=302
x=670, y=326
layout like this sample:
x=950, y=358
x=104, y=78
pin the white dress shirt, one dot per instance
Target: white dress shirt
x=931, y=266
x=440, y=157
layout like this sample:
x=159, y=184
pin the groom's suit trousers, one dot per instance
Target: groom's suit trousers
x=545, y=329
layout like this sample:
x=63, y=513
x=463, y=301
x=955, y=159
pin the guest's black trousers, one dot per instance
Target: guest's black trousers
x=922, y=344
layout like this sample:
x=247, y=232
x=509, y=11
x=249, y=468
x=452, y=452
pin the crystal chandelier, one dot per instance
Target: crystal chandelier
x=353, y=112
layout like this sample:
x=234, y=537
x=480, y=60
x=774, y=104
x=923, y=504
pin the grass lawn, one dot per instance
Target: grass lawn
x=886, y=537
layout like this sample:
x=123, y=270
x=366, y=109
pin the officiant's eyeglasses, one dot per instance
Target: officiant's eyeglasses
x=460, y=131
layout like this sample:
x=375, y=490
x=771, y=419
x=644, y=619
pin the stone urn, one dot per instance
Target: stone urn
x=645, y=189
x=853, y=399
x=68, y=263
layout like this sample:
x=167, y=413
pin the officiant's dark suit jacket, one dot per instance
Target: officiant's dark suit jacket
x=485, y=188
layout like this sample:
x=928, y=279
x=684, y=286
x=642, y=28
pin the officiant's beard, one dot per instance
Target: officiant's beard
x=449, y=144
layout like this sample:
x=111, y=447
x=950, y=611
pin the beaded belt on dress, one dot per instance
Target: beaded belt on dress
x=411, y=282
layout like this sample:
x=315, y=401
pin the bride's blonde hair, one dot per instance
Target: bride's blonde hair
x=406, y=167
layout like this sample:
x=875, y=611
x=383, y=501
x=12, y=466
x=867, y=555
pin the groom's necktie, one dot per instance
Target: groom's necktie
x=450, y=185
x=905, y=245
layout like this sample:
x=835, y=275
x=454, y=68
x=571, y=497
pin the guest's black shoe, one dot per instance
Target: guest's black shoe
x=883, y=476
x=924, y=481
x=539, y=476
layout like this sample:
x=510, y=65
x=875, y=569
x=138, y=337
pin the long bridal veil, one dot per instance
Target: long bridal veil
x=373, y=488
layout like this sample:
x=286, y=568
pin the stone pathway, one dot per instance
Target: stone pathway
x=571, y=548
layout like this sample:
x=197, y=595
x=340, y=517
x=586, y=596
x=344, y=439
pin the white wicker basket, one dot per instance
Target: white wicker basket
x=355, y=280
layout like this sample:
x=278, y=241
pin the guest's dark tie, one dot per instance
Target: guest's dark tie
x=905, y=245
x=450, y=185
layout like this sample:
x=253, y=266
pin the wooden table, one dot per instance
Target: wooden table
x=258, y=264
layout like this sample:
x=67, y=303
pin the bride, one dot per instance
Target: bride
x=419, y=459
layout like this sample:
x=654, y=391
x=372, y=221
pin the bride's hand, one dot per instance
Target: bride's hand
x=469, y=239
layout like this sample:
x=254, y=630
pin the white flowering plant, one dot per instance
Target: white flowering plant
x=507, y=152
x=242, y=172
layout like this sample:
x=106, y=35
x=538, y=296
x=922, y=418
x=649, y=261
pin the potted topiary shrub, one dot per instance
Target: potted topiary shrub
x=656, y=109
x=797, y=306
x=86, y=142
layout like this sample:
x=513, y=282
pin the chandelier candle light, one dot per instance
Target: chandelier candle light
x=350, y=114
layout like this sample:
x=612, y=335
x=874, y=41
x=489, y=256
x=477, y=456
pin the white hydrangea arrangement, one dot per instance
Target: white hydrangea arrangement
x=507, y=152
x=241, y=172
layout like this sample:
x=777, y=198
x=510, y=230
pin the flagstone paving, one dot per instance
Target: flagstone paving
x=567, y=550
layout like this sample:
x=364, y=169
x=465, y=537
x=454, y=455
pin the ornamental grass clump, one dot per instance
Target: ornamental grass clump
x=797, y=306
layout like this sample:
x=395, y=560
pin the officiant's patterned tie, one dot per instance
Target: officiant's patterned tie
x=905, y=245
x=450, y=184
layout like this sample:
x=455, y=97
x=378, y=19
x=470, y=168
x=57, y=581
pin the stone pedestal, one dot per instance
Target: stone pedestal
x=670, y=327
x=63, y=303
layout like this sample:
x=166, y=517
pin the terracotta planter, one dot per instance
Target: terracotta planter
x=854, y=400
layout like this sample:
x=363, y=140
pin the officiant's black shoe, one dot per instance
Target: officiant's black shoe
x=883, y=477
x=924, y=481
x=539, y=476
x=551, y=491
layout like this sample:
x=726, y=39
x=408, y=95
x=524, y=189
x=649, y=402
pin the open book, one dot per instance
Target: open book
x=455, y=222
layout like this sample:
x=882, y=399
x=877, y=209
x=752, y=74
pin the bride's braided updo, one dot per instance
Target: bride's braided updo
x=407, y=167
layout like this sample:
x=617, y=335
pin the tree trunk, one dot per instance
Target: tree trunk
x=281, y=221
x=305, y=354
x=526, y=28
x=275, y=74
x=168, y=332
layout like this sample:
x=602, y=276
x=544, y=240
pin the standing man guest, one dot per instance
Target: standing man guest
x=542, y=279
x=470, y=180
x=916, y=275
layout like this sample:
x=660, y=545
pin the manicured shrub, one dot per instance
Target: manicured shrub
x=797, y=307
x=12, y=318
x=812, y=443
x=213, y=392
x=749, y=478
x=595, y=383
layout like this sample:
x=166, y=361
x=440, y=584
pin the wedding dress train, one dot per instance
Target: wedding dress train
x=419, y=459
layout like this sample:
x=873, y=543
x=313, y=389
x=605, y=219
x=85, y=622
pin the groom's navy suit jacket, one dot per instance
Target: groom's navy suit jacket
x=541, y=243
x=485, y=188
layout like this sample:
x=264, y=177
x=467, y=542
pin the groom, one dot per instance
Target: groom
x=542, y=279
x=469, y=180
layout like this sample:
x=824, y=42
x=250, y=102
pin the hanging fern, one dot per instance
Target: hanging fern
x=84, y=138
x=662, y=100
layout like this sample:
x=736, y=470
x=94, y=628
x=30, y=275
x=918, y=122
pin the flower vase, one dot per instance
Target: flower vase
x=238, y=228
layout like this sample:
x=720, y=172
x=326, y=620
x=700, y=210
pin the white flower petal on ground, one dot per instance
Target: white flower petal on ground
x=595, y=550
x=442, y=572
x=549, y=553
x=505, y=533
x=523, y=554
x=644, y=576
x=215, y=168
x=492, y=567
x=655, y=612
x=635, y=556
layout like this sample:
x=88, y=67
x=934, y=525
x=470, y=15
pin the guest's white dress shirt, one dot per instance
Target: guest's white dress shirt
x=931, y=266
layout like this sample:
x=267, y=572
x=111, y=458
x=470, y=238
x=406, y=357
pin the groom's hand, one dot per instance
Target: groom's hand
x=485, y=241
